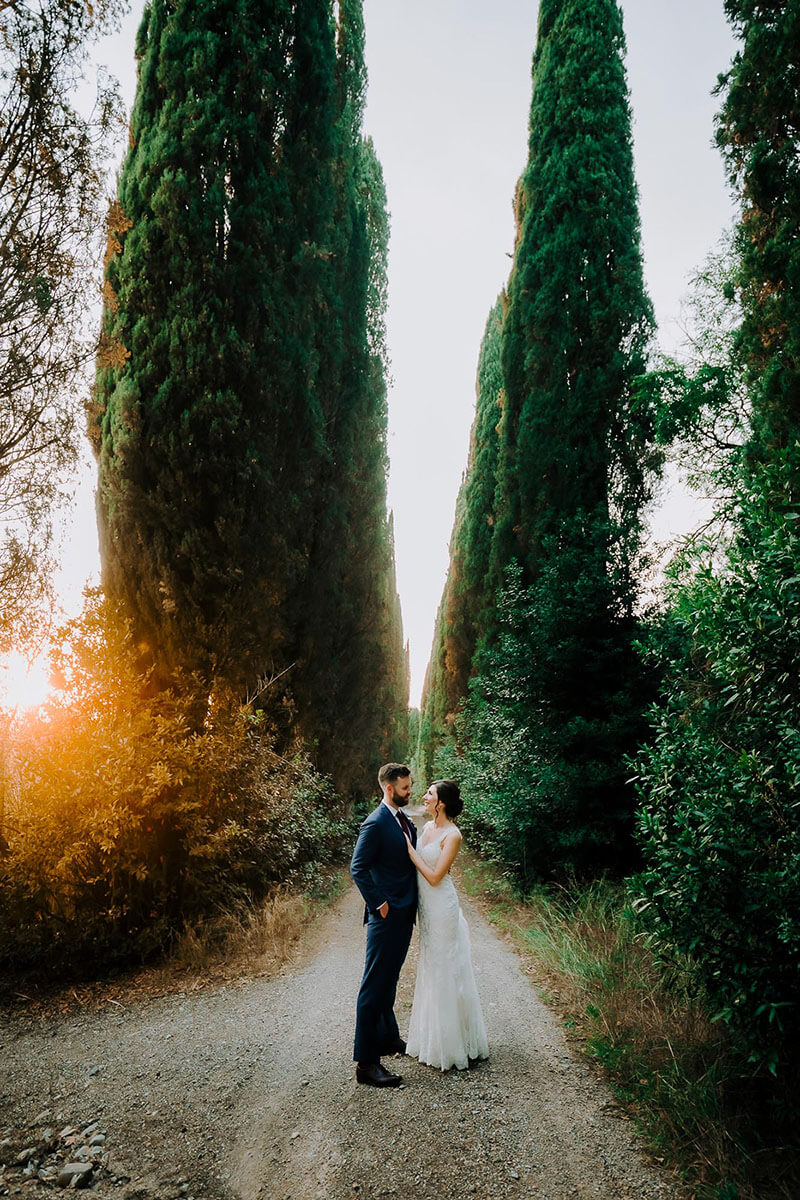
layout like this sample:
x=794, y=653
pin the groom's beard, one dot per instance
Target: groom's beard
x=401, y=801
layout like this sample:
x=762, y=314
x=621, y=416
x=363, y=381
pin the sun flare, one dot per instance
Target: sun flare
x=24, y=683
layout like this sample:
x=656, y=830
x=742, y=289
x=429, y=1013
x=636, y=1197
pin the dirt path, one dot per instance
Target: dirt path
x=248, y=1090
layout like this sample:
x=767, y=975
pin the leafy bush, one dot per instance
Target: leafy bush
x=548, y=722
x=647, y=1021
x=130, y=811
x=492, y=754
x=720, y=781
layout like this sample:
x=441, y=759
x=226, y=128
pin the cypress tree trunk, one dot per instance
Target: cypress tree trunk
x=574, y=462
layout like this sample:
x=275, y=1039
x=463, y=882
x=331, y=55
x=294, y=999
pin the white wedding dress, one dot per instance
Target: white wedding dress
x=446, y=1028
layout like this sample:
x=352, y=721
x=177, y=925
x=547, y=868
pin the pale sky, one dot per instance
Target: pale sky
x=448, y=103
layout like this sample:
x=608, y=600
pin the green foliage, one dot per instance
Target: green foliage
x=412, y=745
x=208, y=421
x=351, y=684
x=559, y=695
x=719, y=827
x=700, y=402
x=647, y=1021
x=240, y=404
x=575, y=442
x=720, y=821
x=124, y=820
x=757, y=134
x=462, y=620
x=540, y=771
x=496, y=769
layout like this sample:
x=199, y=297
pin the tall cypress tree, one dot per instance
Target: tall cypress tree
x=757, y=133
x=208, y=422
x=240, y=415
x=351, y=684
x=575, y=460
x=578, y=317
x=462, y=620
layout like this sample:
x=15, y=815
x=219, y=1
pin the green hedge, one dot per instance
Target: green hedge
x=720, y=781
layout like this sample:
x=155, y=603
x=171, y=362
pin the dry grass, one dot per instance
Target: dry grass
x=256, y=938
x=647, y=1024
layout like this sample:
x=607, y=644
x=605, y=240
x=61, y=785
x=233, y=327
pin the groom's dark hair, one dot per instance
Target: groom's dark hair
x=391, y=772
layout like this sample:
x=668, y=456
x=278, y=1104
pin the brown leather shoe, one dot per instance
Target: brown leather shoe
x=377, y=1076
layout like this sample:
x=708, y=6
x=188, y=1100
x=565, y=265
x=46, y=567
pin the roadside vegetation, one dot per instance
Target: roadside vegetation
x=647, y=1022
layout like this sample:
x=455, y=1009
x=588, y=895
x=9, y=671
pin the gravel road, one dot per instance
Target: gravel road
x=247, y=1090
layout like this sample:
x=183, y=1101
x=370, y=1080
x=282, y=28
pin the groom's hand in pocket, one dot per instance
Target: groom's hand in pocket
x=383, y=909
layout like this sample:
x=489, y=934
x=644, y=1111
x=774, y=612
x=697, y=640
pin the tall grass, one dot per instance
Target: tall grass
x=257, y=937
x=648, y=1023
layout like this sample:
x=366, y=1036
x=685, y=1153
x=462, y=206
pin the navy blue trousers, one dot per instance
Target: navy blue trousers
x=388, y=939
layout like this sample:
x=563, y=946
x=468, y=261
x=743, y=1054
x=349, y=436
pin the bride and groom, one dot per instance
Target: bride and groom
x=399, y=881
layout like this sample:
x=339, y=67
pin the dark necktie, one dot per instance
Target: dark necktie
x=405, y=824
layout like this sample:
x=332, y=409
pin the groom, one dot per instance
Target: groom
x=387, y=879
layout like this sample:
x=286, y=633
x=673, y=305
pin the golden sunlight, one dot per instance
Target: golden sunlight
x=24, y=682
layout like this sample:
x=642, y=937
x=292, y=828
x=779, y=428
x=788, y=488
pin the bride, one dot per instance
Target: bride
x=446, y=1028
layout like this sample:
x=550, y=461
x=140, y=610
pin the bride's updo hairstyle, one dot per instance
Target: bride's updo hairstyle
x=449, y=794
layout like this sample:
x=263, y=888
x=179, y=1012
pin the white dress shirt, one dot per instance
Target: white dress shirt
x=395, y=813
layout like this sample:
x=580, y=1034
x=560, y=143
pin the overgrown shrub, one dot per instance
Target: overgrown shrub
x=720, y=781
x=130, y=811
x=540, y=743
x=647, y=1020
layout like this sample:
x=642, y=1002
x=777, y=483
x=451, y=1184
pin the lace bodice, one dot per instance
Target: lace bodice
x=432, y=849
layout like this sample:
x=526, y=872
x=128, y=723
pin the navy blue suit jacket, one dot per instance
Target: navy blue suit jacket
x=380, y=866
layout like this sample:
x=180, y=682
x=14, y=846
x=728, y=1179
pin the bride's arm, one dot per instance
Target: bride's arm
x=450, y=848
